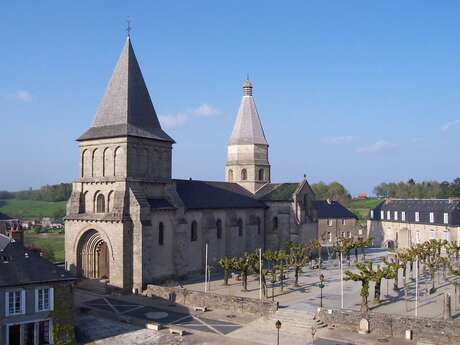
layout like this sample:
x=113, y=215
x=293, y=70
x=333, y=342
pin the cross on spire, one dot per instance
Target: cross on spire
x=128, y=28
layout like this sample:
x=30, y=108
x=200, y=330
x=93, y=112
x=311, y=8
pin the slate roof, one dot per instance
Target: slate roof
x=160, y=204
x=423, y=207
x=4, y=216
x=215, y=195
x=332, y=210
x=17, y=268
x=277, y=192
x=248, y=128
x=126, y=108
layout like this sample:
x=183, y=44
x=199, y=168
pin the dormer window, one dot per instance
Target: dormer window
x=396, y=215
x=403, y=216
x=417, y=217
x=431, y=217
x=372, y=214
x=388, y=215
x=446, y=218
x=382, y=215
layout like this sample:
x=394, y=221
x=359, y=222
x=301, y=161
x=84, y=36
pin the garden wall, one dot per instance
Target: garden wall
x=380, y=324
x=192, y=298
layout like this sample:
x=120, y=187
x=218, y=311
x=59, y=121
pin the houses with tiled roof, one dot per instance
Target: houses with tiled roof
x=31, y=290
x=405, y=222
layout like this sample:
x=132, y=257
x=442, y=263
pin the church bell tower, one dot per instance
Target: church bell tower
x=247, y=150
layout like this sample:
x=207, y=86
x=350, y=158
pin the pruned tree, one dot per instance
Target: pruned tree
x=243, y=265
x=364, y=275
x=226, y=264
x=298, y=257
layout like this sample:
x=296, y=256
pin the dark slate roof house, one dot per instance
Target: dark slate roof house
x=438, y=208
x=20, y=266
x=31, y=289
x=330, y=209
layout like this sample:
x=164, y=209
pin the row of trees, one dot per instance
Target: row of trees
x=333, y=191
x=429, y=259
x=58, y=192
x=275, y=263
x=413, y=189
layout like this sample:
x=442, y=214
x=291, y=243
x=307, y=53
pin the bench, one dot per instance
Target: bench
x=203, y=309
x=153, y=325
x=178, y=331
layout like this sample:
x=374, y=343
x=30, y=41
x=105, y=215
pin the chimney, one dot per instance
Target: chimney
x=452, y=199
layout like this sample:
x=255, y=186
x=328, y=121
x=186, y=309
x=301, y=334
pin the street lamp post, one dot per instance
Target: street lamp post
x=278, y=326
x=321, y=286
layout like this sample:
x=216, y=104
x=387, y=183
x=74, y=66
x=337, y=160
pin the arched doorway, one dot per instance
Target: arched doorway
x=93, y=256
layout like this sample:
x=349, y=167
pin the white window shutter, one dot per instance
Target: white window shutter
x=7, y=303
x=23, y=301
x=36, y=300
x=51, y=298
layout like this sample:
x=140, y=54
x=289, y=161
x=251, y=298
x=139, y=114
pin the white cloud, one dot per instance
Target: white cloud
x=339, y=140
x=205, y=110
x=450, y=125
x=173, y=121
x=23, y=96
x=376, y=147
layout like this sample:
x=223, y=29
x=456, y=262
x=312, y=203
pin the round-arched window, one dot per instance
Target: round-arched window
x=244, y=174
x=100, y=203
x=261, y=175
x=194, y=231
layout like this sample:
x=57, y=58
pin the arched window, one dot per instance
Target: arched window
x=110, y=202
x=160, y=233
x=275, y=223
x=230, y=175
x=244, y=175
x=219, y=229
x=194, y=232
x=83, y=202
x=240, y=227
x=258, y=226
x=100, y=203
x=261, y=174
x=117, y=162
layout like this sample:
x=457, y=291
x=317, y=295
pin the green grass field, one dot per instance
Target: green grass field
x=48, y=242
x=361, y=207
x=31, y=208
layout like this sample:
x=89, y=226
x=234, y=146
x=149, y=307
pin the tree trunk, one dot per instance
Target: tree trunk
x=225, y=277
x=296, y=274
x=244, y=277
x=364, y=254
x=377, y=289
x=364, y=295
x=396, y=281
x=282, y=278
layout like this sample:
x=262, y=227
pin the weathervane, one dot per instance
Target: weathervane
x=128, y=29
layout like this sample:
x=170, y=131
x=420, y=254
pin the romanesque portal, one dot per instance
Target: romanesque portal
x=93, y=256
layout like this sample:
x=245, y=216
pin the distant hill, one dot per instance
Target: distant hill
x=361, y=207
x=32, y=208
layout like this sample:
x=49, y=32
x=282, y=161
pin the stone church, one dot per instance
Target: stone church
x=130, y=222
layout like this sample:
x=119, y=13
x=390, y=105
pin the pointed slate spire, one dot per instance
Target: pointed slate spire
x=126, y=108
x=248, y=128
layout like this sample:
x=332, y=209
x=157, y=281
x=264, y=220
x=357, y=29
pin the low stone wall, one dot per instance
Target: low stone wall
x=380, y=324
x=192, y=298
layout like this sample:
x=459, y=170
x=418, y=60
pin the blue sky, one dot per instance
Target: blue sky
x=355, y=91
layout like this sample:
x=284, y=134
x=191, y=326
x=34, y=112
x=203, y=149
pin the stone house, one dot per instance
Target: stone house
x=402, y=223
x=35, y=298
x=130, y=223
x=335, y=222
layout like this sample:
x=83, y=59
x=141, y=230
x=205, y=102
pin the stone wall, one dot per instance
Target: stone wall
x=383, y=325
x=212, y=301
